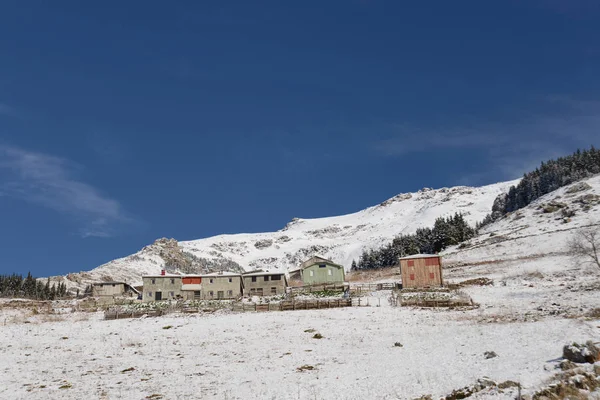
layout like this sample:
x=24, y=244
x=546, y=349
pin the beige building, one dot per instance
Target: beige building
x=222, y=285
x=113, y=289
x=264, y=283
x=161, y=287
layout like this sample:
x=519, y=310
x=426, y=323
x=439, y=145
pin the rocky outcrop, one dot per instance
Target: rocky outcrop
x=581, y=353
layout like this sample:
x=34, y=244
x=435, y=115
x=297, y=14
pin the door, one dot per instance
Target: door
x=158, y=296
x=220, y=294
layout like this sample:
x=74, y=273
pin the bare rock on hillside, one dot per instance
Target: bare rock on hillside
x=578, y=187
x=581, y=353
x=263, y=244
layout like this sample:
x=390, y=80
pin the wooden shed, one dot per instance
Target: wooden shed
x=421, y=270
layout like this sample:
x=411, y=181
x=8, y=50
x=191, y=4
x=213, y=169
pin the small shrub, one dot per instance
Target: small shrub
x=398, y=344
x=128, y=370
x=167, y=327
x=305, y=368
x=64, y=337
x=317, y=336
x=310, y=331
x=66, y=386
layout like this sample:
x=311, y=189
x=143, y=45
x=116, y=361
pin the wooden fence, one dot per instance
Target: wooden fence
x=316, y=304
x=331, y=287
x=371, y=287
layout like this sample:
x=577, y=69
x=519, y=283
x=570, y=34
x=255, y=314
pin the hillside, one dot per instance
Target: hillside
x=341, y=238
x=525, y=257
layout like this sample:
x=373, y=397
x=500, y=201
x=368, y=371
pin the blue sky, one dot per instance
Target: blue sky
x=122, y=122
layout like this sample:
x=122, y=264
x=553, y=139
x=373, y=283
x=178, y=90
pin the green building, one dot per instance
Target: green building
x=318, y=271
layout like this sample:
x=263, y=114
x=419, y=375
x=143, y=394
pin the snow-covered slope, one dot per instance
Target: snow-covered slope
x=542, y=228
x=526, y=256
x=341, y=238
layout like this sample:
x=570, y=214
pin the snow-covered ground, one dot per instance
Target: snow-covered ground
x=257, y=355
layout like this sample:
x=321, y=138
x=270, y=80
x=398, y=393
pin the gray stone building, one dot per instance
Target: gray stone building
x=161, y=287
x=264, y=283
x=222, y=285
x=113, y=289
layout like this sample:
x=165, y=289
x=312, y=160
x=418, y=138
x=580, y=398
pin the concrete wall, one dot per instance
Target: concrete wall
x=168, y=286
x=263, y=287
x=225, y=287
x=316, y=275
x=109, y=289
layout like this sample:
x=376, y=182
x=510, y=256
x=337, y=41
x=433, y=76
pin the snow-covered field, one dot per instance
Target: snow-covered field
x=257, y=355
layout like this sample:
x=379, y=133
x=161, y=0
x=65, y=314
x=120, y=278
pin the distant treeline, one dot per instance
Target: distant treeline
x=30, y=288
x=550, y=176
x=445, y=232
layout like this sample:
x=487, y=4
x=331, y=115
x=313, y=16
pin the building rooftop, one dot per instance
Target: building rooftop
x=108, y=283
x=217, y=274
x=420, y=256
x=261, y=273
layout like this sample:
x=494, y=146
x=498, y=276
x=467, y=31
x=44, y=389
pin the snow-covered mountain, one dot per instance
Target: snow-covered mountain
x=340, y=238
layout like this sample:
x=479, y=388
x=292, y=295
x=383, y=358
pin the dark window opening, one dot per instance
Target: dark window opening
x=322, y=265
x=275, y=277
x=253, y=279
x=266, y=278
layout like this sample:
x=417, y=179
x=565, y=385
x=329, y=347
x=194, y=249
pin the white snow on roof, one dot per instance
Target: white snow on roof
x=420, y=256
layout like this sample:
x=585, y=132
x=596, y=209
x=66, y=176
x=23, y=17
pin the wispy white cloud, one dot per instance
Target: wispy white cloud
x=511, y=148
x=5, y=109
x=51, y=182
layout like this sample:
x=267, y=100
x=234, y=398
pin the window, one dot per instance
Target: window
x=172, y=281
x=273, y=290
x=153, y=281
x=322, y=265
x=432, y=262
x=230, y=293
x=275, y=277
x=211, y=293
x=312, y=273
x=329, y=272
x=220, y=294
x=149, y=294
x=252, y=291
x=196, y=295
x=253, y=279
x=412, y=277
x=171, y=294
x=259, y=291
x=113, y=285
x=431, y=275
x=230, y=280
x=210, y=280
x=266, y=278
x=411, y=263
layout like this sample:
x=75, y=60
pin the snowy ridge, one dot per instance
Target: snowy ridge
x=340, y=238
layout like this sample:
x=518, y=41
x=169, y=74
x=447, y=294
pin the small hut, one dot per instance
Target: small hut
x=421, y=270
